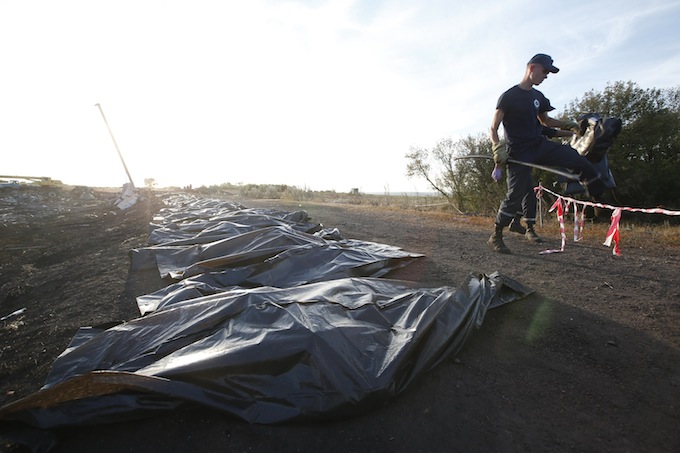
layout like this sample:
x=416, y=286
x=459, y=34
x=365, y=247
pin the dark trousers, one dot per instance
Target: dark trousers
x=520, y=196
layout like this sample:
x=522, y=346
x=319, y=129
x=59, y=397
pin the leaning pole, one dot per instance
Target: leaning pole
x=115, y=144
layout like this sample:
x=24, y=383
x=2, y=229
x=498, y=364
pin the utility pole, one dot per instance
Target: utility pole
x=115, y=144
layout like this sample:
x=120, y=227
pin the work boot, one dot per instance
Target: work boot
x=516, y=225
x=531, y=235
x=496, y=243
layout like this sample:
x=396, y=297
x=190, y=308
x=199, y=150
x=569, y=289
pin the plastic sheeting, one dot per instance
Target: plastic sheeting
x=288, y=336
x=297, y=266
x=254, y=246
x=265, y=355
x=195, y=238
x=196, y=220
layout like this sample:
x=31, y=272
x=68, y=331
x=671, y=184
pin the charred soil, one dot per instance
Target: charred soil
x=589, y=362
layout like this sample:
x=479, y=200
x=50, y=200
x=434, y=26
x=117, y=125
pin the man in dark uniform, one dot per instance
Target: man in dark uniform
x=523, y=111
x=528, y=212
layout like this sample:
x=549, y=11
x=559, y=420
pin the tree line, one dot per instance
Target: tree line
x=644, y=159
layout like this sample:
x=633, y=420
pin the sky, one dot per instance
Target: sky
x=321, y=95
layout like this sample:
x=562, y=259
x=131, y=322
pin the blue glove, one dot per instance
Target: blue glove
x=497, y=174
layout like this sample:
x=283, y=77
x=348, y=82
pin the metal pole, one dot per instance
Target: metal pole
x=571, y=176
x=540, y=204
x=115, y=144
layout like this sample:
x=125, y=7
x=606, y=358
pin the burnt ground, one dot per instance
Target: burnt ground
x=589, y=362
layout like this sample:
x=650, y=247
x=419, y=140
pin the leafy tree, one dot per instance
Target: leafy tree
x=645, y=157
x=465, y=182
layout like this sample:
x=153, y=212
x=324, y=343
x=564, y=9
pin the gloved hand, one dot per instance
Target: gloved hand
x=500, y=153
x=570, y=125
x=497, y=173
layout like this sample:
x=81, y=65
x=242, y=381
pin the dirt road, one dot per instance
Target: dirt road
x=590, y=362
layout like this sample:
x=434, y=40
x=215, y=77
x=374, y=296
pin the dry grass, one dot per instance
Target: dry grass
x=633, y=233
x=661, y=235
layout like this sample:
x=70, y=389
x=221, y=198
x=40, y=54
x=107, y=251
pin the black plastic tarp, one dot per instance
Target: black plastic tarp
x=274, y=319
x=198, y=220
x=184, y=245
x=243, y=221
x=254, y=246
x=266, y=355
x=296, y=266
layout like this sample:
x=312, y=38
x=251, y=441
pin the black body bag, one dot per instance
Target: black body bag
x=596, y=136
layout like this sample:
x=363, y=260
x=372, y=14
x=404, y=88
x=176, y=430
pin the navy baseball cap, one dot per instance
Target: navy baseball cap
x=545, y=61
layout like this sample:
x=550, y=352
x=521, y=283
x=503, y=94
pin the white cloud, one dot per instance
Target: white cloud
x=322, y=94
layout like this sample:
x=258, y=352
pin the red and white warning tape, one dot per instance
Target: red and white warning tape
x=563, y=203
x=560, y=218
